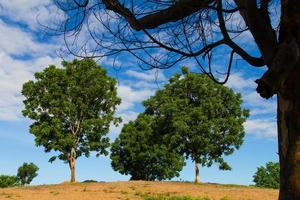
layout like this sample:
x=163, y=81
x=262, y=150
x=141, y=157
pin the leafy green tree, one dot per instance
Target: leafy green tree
x=267, y=176
x=142, y=155
x=8, y=181
x=200, y=118
x=27, y=172
x=72, y=108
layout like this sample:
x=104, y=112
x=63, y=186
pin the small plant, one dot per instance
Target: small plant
x=27, y=172
x=8, y=181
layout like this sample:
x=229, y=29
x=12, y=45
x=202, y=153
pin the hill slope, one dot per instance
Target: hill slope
x=138, y=190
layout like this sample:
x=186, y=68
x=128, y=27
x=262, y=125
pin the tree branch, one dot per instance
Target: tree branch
x=261, y=29
x=179, y=10
x=258, y=62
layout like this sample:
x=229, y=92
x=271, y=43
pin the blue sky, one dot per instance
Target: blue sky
x=25, y=49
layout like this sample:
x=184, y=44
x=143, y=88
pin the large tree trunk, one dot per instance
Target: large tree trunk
x=289, y=138
x=289, y=104
x=72, y=162
x=197, y=177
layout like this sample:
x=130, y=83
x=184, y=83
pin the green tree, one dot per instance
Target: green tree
x=72, y=108
x=267, y=176
x=27, y=172
x=8, y=181
x=142, y=155
x=200, y=118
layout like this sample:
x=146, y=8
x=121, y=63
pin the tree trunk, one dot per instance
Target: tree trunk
x=288, y=114
x=197, y=177
x=72, y=162
x=283, y=78
x=289, y=142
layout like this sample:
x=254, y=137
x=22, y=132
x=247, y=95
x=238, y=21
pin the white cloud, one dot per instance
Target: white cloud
x=237, y=82
x=262, y=112
x=131, y=96
x=260, y=106
x=30, y=12
x=261, y=127
x=252, y=100
x=151, y=75
x=14, y=41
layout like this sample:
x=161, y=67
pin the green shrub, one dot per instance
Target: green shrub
x=90, y=181
x=267, y=176
x=8, y=181
x=27, y=172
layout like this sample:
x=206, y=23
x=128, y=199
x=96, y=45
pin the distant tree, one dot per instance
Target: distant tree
x=27, y=172
x=72, y=108
x=8, y=181
x=267, y=176
x=142, y=155
x=200, y=118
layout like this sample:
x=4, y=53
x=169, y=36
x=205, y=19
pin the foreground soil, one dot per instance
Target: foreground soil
x=136, y=190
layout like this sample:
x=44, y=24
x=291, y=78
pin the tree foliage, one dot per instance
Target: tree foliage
x=8, y=181
x=199, y=118
x=72, y=108
x=267, y=176
x=138, y=152
x=27, y=172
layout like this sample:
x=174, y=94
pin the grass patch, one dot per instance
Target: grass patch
x=226, y=198
x=235, y=185
x=170, y=197
x=54, y=193
x=9, y=196
x=132, y=187
x=84, y=189
x=123, y=192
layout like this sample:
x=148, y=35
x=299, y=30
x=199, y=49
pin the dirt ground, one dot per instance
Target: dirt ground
x=135, y=190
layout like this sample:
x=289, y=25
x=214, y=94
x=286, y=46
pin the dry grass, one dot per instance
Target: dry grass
x=136, y=190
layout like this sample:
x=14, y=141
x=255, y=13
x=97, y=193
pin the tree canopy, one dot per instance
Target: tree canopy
x=8, y=181
x=267, y=176
x=201, y=119
x=138, y=152
x=72, y=108
x=27, y=172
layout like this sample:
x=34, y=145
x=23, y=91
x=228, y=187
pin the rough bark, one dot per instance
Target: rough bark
x=197, y=177
x=282, y=78
x=289, y=103
x=289, y=138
